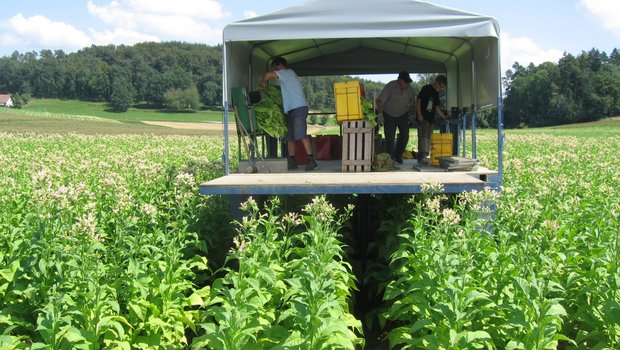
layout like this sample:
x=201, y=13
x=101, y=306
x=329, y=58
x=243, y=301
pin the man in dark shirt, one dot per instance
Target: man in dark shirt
x=427, y=104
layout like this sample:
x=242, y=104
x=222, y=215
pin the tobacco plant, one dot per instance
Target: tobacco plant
x=290, y=289
x=94, y=243
x=544, y=275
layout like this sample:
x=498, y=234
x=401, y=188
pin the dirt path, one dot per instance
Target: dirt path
x=212, y=126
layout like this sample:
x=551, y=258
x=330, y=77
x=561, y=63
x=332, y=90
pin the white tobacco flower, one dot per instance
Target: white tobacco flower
x=249, y=205
x=433, y=204
x=449, y=216
x=86, y=224
x=428, y=188
x=185, y=179
x=41, y=175
x=108, y=181
x=149, y=209
x=293, y=218
x=550, y=225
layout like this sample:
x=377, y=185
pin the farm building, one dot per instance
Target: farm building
x=323, y=37
x=6, y=100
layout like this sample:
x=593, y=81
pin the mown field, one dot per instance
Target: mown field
x=134, y=114
x=106, y=244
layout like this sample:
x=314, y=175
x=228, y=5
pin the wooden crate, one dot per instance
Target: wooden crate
x=358, y=143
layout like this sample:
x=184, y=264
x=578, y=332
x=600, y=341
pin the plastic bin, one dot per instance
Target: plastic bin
x=347, y=96
x=441, y=146
x=452, y=126
x=328, y=147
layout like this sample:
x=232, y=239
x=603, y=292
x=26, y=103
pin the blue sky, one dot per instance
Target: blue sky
x=532, y=31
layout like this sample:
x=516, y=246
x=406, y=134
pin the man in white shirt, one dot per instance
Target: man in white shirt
x=296, y=110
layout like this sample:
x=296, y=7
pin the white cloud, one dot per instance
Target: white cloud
x=9, y=40
x=187, y=20
x=607, y=11
x=203, y=9
x=125, y=22
x=524, y=51
x=249, y=14
x=120, y=36
x=43, y=32
x=180, y=28
x=112, y=14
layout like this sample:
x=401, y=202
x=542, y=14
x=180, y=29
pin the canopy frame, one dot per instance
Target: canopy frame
x=354, y=37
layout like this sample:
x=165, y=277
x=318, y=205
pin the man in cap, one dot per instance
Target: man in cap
x=394, y=106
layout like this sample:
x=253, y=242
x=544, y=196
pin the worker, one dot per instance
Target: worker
x=427, y=105
x=296, y=110
x=395, y=105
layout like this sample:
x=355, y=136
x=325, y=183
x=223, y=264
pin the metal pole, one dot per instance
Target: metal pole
x=474, y=116
x=500, y=123
x=500, y=141
x=464, y=135
x=226, y=154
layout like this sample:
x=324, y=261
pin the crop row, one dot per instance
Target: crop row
x=290, y=289
x=105, y=243
x=545, y=275
x=45, y=114
x=99, y=247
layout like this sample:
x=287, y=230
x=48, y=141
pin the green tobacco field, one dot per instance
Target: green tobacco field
x=106, y=244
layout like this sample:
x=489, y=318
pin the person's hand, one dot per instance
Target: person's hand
x=420, y=117
x=380, y=119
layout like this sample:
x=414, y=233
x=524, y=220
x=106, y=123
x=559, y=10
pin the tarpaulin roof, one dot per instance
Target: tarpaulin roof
x=328, y=37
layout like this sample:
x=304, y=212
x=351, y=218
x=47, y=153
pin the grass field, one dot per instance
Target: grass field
x=134, y=114
x=58, y=116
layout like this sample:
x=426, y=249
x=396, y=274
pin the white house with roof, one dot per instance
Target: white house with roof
x=6, y=100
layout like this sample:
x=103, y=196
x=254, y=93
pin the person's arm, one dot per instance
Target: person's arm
x=266, y=77
x=379, y=106
x=380, y=119
x=418, y=109
x=441, y=114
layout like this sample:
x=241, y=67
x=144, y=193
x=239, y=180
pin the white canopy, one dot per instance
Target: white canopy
x=329, y=37
x=352, y=37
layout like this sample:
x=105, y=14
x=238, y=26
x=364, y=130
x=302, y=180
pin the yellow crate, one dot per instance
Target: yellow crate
x=441, y=146
x=348, y=102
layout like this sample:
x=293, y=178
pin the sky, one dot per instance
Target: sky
x=532, y=31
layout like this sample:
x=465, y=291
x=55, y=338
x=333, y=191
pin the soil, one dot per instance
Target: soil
x=212, y=126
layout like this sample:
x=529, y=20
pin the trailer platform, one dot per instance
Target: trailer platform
x=274, y=179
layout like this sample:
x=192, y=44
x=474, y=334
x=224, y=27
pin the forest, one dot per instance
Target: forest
x=184, y=76
x=576, y=89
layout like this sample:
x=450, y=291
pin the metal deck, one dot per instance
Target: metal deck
x=274, y=179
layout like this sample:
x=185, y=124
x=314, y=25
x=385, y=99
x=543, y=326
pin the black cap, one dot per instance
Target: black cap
x=404, y=76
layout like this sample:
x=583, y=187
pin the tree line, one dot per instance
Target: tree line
x=185, y=76
x=122, y=75
x=576, y=89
